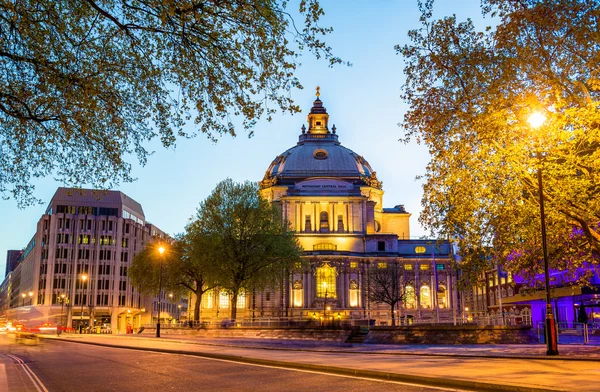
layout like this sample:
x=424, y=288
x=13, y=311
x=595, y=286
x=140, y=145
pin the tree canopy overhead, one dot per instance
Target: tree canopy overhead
x=471, y=94
x=85, y=84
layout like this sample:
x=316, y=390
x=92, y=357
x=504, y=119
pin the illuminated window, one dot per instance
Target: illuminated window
x=440, y=267
x=425, y=296
x=208, y=299
x=408, y=267
x=324, y=222
x=324, y=247
x=326, y=281
x=224, y=300
x=409, y=297
x=424, y=267
x=420, y=249
x=442, y=297
x=382, y=265
x=354, y=264
x=353, y=294
x=297, y=293
x=307, y=224
x=241, y=300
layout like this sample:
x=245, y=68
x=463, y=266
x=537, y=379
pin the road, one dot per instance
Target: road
x=63, y=366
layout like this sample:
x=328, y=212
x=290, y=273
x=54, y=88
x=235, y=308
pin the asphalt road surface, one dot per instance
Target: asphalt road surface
x=60, y=366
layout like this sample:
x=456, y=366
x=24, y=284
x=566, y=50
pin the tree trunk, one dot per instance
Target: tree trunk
x=197, y=304
x=234, y=296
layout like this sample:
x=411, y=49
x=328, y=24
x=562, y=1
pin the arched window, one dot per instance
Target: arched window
x=326, y=281
x=425, y=296
x=410, y=297
x=223, y=299
x=441, y=294
x=208, y=299
x=353, y=293
x=324, y=219
x=298, y=293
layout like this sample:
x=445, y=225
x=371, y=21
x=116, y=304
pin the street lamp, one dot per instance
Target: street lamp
x=30, y=298
x=83, y=279
x=536, y=120
x=63, y=298
x=23, y=299
x=178, y=312
x=161, y=250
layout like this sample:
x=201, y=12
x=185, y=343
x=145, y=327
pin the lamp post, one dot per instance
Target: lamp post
x=23, y=299
x=30, y=298
x=536, y=120
x=161, y=250
x=83, y=279
x=62, y=308
x=178, y=312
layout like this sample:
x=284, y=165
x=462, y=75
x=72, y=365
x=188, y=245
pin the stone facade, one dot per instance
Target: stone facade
x=332, y=199
x=465, y=334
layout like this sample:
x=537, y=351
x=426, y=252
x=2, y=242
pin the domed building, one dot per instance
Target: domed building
x=331, y=197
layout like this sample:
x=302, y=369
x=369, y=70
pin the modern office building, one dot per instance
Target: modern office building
x=333, y=200
x=13, y=257
x=74, y=269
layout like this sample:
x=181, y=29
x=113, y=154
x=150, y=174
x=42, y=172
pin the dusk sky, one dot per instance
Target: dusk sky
x=363, y=101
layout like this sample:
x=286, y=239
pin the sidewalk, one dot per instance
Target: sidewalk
x=496, y=367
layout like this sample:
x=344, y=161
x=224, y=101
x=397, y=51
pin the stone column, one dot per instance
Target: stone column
x=334, y=227
x=330, y=213
x=350, y=215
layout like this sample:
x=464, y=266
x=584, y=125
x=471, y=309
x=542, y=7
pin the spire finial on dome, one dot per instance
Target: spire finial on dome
x=334, y=128
x=303, y=129
x=318, y=93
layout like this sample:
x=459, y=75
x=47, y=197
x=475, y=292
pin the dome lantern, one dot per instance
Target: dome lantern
x=318, y=117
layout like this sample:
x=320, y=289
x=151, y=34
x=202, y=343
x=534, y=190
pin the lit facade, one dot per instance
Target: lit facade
x=91, y=234
x=332, y=199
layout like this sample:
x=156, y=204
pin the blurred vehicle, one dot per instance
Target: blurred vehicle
x=47, y=328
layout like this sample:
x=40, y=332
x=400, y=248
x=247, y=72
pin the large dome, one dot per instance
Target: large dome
x=319, y=154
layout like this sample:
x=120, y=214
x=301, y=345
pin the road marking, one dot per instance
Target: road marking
x=37, y=383
x=302, y=370
x=325, y=373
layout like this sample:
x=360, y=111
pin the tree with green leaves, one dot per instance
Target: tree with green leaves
x=85, y=84
x=472, y=94
x=197, y=272
x=250, y=244
x=387, y=285
x=152, y=270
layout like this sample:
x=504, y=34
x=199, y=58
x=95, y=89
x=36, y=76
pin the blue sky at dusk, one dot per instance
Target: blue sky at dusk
x=363, y=101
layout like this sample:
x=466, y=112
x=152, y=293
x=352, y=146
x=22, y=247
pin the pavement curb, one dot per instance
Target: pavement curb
x=371, y=374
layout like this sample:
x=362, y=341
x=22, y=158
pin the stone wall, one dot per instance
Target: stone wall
x=337, y=335
x=450, y=334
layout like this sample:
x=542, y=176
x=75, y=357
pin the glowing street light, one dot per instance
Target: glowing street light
x=83, y=280
x=30, y=298
x=23, y=299
x=161, y=250
x=536, y=120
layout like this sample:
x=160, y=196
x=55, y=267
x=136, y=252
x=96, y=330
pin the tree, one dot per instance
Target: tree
x=386, y=286
x=150, y=270
x=87, y=83
x=248, y=238
x=197, y=272
x=471, y=94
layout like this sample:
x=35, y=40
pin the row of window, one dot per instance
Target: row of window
x=407, y=267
